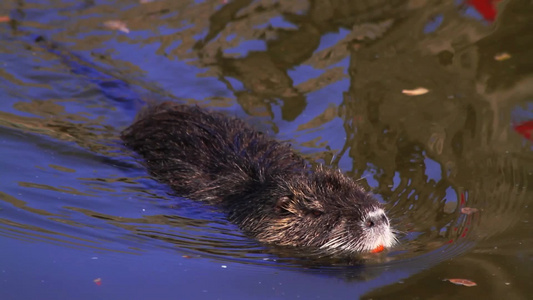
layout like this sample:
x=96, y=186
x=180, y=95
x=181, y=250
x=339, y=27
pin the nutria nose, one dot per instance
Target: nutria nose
x=376, y=219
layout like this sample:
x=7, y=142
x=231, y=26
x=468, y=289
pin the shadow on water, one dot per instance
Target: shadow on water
x=325, y=75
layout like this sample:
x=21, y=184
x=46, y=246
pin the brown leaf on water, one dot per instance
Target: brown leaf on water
x=415, y=92
x=117, y=25
x=463, y=282
x=4, y=19
x=469, y=210
x=502, y=56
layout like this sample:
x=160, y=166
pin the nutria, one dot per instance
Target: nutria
x=267, y=189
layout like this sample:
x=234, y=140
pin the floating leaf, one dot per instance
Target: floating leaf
x=469, y=210
x=4, y=19
x=98, y=281
x=117, y=25
x=416, y=92
x=502, y=56
x=463, y=282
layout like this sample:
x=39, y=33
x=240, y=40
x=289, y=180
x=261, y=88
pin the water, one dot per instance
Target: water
x=80, y=217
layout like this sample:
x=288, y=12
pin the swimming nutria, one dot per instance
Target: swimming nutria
x=267, y=189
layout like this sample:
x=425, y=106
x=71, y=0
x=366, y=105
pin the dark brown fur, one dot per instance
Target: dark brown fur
x=263, y=185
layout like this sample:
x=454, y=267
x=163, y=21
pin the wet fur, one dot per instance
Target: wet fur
x=263, y=185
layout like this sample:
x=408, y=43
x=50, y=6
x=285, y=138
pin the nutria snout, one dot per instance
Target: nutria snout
x=267, y=189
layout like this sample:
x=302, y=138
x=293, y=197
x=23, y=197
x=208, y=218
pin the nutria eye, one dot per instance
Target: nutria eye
x=369, y=223
x=317, y=213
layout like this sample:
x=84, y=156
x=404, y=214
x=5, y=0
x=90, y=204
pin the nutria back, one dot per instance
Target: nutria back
x=267, y=189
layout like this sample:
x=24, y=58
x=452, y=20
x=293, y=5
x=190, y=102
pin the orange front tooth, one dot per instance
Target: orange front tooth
x=378, y=249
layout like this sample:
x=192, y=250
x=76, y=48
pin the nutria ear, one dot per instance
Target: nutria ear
x=283, y=205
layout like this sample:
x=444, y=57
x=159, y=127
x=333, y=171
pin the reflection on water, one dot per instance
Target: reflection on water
x=326, y=76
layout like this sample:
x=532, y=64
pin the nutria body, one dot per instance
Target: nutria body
x=267, y=189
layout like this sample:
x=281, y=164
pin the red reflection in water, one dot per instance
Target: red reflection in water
x=525, y=129
x=487, y=8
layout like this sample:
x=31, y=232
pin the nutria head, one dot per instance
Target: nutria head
x=324, y=211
